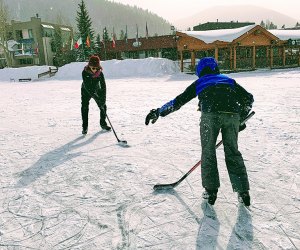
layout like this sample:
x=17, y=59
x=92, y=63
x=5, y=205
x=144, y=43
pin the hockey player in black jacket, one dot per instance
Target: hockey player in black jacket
x=93, y=86
x=223, y=104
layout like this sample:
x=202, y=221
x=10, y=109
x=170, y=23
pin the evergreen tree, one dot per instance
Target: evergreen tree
x=56, y=42
x=3, y=32
x=272, y=26
x=122, y=35
x=84, y=26
x=105, y=35
x=262, y=24
x=98, y=45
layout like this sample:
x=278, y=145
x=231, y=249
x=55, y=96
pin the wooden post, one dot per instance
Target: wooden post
x=230, y=58
x=181, y=61
x=234, y=58
x=254, y=57
x=193, y=61
x=216, y=53
x=283, y=56
x=271, y=57
x=299, y=56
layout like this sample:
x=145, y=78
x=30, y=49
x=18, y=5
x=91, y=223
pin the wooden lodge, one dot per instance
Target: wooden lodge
x=157, y=46
x=236, y=49
x=244, y=48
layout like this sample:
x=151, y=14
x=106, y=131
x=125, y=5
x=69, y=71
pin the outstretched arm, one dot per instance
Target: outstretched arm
x=173, y=105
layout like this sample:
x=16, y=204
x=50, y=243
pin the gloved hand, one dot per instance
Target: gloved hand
x=242, y=127
x=153, y=115
x=245, y=111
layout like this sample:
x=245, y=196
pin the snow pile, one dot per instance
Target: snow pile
x=14, y=74
x=149, y=67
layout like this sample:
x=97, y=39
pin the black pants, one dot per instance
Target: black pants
x=85, y=101
x=210, y=126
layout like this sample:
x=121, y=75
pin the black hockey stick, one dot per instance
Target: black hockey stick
x=119, y=141
x=158, y=187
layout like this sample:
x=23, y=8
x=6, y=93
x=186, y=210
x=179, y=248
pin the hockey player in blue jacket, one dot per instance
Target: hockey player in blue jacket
x=223, y=104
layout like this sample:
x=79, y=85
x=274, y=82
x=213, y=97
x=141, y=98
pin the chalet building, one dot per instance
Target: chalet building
x=30, y=42
x=245, y=48
x=158, y=46
x=220, y=25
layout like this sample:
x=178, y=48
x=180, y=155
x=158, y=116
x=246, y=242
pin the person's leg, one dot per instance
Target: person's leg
x=85, y=100
x=233, y=158
x=103, y=109
x=209, y=130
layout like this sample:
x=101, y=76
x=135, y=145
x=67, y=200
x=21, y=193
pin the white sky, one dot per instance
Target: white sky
x=176, y=9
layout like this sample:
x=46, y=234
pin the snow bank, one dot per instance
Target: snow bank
x=149, y=67
x=14, y=74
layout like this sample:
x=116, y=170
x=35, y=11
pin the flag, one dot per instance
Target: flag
x=78, y=43
x=137, y=34
x=126, y=36
x=36, y=50
x=113, y=38
x=147, y=35
x=88, y=41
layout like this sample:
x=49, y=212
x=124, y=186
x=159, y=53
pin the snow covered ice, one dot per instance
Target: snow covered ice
x=62, y=190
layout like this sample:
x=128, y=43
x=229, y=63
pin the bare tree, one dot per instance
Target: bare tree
x=3, y=31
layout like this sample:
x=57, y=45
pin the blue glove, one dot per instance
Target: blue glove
x=152, y=116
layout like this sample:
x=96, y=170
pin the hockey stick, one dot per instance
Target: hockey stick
x=96, y=100
x=158, y=187
x=119, y=141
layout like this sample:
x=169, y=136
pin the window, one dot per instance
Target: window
x=19, y=35
x=30, y=33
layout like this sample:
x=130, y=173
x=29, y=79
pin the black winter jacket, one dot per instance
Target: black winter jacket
x=94, y=84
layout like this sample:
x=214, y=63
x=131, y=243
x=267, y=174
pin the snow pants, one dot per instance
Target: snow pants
x=210, y=126
x=85, y=101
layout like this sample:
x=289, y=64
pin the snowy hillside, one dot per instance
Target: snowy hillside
x=61, y=190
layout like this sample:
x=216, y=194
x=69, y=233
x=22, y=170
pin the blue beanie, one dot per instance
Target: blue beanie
x=206, y=62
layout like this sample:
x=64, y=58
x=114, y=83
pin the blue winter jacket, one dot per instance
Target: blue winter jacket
x=216, y=93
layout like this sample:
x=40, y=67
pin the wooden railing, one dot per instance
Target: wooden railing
x=50, y=72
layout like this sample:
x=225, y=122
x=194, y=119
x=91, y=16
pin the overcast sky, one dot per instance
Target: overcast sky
x=176, y=9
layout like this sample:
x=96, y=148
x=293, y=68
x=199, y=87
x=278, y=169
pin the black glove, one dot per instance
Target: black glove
x=242, y=127
x=153, y=115
x=245, y=111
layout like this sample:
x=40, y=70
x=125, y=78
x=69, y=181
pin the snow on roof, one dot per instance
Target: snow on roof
x=286, y=34
x=225, y=35
x=47, y=26
x=65, y=29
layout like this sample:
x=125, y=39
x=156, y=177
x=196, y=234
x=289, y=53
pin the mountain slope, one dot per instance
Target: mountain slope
x=241, y=13
x=102, y=12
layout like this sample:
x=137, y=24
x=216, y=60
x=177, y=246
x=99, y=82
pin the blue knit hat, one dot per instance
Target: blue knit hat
x=206, y=62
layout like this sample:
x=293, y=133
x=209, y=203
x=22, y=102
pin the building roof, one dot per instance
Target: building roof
x=286, y=34
x=225, y=35
x=221, y=25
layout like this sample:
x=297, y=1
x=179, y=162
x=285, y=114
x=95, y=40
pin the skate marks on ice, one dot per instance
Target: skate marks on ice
x=26, y=224
x=53, y=159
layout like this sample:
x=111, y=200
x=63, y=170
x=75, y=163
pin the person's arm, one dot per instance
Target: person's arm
x=180, y=100
x=173, y=105
x=245, y=99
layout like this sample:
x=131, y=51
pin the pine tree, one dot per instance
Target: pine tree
x=4, y=16
x=105, y=35
x=98, y=45
x=122, y=35
x=262, y=24
x=84, y=26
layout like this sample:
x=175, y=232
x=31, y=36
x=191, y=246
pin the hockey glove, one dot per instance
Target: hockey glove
x=152, y=116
